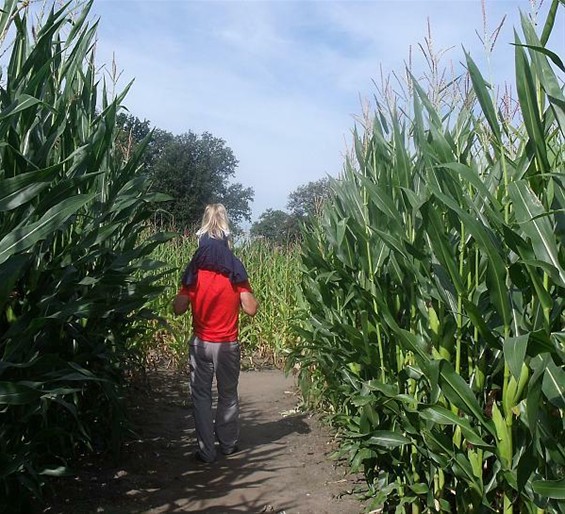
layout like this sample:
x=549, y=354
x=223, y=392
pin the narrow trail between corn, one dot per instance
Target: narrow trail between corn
x=283, y=465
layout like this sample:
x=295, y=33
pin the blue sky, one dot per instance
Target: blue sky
x=282, y=81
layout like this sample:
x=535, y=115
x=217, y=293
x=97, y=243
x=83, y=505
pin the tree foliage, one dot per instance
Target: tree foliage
x=276, y=226
x=237, y=199
x=304, y=203
x=193, y=169
x=133, y=132
x=307, y=200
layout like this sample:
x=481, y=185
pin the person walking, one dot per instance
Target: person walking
x=216, y=286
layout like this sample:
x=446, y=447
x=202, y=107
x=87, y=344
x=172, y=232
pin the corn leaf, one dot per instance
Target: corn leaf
x=22, y=103
x=443, y=416
x=388, y=439
x=550, y=488
x=458, y=392
x=527, y=97
x=484, y=97
x=13, y=393
x=553, y=385
x=515, y=352
x=549, y=22
x=25, y=237
x=530, y=214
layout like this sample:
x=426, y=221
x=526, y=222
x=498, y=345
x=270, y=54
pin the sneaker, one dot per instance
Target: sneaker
x=198, y=457
x=231, y=451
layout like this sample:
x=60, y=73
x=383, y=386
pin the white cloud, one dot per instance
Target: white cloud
x=279, y=81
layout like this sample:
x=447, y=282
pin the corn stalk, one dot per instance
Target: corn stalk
x=71, y=294
x=445, y=236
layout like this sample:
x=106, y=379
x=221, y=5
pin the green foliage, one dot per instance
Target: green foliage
x=308, y=199
x=194, y=170
x=434, y=286
x=305, y=204
x=132, y=131
x=74, y=274
x=276, y=226
x=236, y=198
x=167, y=340
x=273, y=274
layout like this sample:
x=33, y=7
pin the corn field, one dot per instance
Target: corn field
x=274, y=276
x=434, y=287
x=430, y=321
x=72, y=294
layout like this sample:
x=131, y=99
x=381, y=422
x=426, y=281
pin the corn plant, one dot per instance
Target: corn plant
x=434, y=287
x=165, y=338
x=71, y=210
x=273, y=273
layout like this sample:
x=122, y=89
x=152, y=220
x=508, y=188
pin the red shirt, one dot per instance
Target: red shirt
x=215, y=303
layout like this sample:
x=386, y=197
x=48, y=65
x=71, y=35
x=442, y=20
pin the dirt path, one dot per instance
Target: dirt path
x=283, y=466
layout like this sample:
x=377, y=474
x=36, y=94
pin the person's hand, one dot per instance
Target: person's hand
x=248, y=303
x=180, y=304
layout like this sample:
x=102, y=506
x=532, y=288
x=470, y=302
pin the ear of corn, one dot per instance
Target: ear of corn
x=434, y=289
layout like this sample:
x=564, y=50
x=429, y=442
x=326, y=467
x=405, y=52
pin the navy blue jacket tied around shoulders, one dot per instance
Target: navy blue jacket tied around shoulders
x=214, y=255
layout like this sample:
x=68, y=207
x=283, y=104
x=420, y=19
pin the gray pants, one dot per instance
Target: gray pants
x=223, y=359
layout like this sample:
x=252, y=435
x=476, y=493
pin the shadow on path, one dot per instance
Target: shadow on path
x=274, y=471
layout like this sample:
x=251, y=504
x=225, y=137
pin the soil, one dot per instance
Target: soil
x=283, y=465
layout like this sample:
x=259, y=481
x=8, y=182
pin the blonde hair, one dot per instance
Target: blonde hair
x=215, y=222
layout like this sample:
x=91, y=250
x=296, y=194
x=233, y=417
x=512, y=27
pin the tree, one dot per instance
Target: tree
x=194, y=170
x=308, y=199
x=304, y=202
x=133, y=131
x=277, y=226
x=237, y=198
